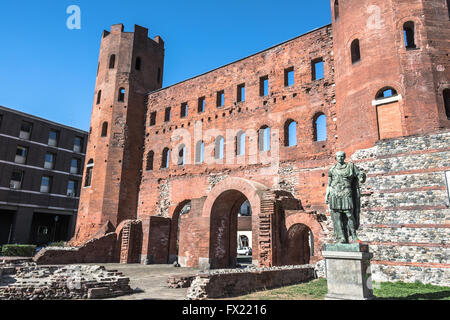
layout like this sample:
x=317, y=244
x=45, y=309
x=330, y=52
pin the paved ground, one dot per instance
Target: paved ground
x=151, y=280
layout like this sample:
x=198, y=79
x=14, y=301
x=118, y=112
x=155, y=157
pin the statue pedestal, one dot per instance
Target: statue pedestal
x=348, y=273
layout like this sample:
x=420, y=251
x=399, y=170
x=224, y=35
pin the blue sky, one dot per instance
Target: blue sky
x=49, y=71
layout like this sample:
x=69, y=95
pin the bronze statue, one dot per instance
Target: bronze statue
x=343, y=197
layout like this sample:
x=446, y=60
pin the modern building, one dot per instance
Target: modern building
x=41, y=165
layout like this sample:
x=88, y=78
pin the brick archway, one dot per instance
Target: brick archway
x=221, y=208
x=310, y=221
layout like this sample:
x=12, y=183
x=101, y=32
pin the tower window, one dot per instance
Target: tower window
x=264, y=86
x=138, y=63
x=446, y=94
x=165, y=158
x=167, y=115
x=289, y=77
x=99, y=96
x=89, y=171
x=241, y=92
x=336, y=10
x=317, y=69
x=201, y=104
x=153, y=118
x=409, y=35
x=49, y=162
x=183, y=110
x=112, y=61
x=158, y=77
x=150, y=158
x=121, y=95
x=355, y=51
x=220, y=98
x=320, y=127
x=386, y=92
x=104, y=129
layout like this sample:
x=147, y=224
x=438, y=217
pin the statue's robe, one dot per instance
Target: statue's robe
x=344, y=190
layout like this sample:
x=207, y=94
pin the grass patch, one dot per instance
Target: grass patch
x=313, y=290
x=410, y=291
x=317, y=289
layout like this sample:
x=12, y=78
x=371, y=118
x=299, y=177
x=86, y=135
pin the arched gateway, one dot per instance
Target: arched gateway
x=208, y=232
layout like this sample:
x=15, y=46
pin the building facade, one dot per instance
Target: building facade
x=169, y=168
x=41, y=165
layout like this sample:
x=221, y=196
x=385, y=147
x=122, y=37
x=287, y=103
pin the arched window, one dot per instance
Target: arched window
x=409, y=35
x=150, y=158
x=199, y=151
x=89, y=170
x=219, y=147
x=264, y=138
x=99, y=96
x=290, y=133
x=336, y=10
x=181, y=155
x=138, y=63
x=165, y=158
x=240, y=143
x=121, y=95
x=386, y=92
x=320, y=127
x=446, y=94
x=112, y=61
x=158, y=77
x=355, y=51
x=104, y=129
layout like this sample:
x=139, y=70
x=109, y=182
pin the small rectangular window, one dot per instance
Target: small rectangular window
x=201, y=104
x=21, y=155
x=167, y=115
x=241, y=92
x=317, y=69
x=16, y=180
x=72, y=188
x=75, y=166
x=289, y=77
x=220, y=98
x=46, y=184
x=153, y=118
x=25, y=130
x=53, y=138
x=1, y=120
x=78, y=144
x=264, y=86
x=183, y=111
x=49, y=161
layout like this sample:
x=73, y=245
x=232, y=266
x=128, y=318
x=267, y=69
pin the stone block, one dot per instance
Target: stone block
x=347, y=272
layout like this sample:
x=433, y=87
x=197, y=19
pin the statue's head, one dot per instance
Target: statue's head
x=340, y=157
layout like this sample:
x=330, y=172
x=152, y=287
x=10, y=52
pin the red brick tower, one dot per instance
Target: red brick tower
x=381, y=45
x=130, y=65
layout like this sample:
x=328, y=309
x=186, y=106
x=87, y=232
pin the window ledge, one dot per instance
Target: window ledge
x=387, y=100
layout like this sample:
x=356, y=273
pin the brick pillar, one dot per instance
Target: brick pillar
x=265, y=230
